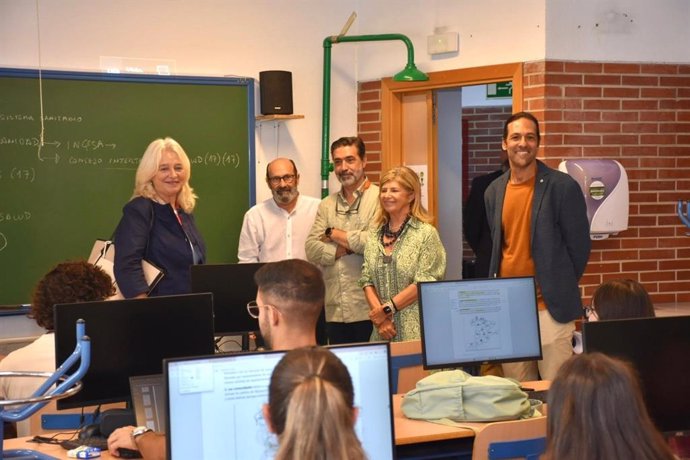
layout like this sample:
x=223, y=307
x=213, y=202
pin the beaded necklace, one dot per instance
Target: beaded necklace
x=391, y=234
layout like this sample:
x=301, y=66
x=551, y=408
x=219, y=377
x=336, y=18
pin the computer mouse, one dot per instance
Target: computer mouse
x=124, y=452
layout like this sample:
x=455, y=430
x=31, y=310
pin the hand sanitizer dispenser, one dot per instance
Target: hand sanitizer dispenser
x=605, y=186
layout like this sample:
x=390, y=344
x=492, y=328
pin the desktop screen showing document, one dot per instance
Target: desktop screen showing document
x=215, y=403
x=479, y=320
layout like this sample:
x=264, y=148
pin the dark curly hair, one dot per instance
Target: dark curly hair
x=68, y=282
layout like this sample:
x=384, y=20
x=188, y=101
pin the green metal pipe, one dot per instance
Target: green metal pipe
x=410, y=73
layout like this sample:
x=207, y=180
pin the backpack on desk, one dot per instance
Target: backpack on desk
x=460, y=397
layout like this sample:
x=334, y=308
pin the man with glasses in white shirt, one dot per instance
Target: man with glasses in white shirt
x=277, y=228
x=336, y=242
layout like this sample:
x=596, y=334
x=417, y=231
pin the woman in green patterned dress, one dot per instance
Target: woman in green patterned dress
x=404, y=251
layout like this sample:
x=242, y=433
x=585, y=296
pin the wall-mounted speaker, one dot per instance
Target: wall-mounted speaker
x=276, y=92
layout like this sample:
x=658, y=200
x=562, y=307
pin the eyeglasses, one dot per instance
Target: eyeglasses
x=354, y=209
x=287, y=178
x=253, y=309
x=590, y=313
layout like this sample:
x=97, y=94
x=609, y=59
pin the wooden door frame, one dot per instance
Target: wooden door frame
x=391, y=109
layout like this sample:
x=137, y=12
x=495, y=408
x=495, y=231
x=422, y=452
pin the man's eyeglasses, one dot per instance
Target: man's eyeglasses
x=354, y=209
x=253, y=309
x=287, y=178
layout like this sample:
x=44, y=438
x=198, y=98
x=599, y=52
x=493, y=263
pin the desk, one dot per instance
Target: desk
x=413, y=438
x=418, y=438
x=48, y=449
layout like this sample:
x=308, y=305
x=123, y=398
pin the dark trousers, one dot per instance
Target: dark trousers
x=359, y=331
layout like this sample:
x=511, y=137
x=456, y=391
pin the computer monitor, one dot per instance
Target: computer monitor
x=214, y=403
x=232, y=286
x=477, y=321
x=659, y=349
x=132, y=337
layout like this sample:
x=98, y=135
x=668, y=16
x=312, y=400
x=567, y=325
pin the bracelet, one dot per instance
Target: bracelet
x=395, y=307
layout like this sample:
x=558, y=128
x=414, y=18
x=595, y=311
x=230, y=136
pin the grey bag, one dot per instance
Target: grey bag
x=459, y=397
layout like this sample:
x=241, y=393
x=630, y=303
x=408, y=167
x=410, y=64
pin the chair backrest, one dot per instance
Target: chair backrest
x=406, y=365
x=513, y=430
x=530, y=449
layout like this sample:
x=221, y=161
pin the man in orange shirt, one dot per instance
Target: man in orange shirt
x=539, y=227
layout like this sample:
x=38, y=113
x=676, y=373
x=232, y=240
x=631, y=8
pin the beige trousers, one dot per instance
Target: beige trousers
x=556, y=348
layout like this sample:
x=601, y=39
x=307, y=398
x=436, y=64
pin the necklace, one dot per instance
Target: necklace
x=393, y=235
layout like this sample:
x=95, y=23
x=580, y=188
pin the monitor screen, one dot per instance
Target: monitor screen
x=232, y=286
x=132, y=337
x=215, y=403
x=659, y=348
x=477, y=321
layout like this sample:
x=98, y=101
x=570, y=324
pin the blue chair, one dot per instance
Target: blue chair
x=529, y=449
x=58, y=385
x=406, y=365
x=525, y=438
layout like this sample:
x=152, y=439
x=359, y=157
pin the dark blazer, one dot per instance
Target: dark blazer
x=475, y=224
x=162, y=241
x=559, y=238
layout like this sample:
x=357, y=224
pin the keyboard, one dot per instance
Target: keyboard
x=95, y=441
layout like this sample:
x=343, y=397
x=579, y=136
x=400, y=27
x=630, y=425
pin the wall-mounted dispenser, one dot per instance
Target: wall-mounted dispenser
x=605, y=186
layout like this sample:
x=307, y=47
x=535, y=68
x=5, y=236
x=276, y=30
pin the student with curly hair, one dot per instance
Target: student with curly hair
x=311, y=407
x=68, y=282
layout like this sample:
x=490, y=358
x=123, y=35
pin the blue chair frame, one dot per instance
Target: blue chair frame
x=67, y=386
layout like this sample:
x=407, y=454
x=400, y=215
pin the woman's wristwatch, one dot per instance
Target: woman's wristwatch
x=389, y=307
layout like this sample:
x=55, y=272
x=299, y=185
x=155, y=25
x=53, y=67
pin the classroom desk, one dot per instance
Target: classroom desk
x=413, y=438
x=53, y=450
x=418, y=438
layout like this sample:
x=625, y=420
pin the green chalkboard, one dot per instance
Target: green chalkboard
x=57, y=198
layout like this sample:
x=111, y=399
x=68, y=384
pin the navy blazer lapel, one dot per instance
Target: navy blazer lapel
x=540, y=184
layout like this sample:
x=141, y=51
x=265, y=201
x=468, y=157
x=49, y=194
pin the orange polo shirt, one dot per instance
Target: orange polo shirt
x=517, y=214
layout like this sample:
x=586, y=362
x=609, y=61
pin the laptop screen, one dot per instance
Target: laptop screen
x=148, y=401
x=232, y=286
x=215, y=403
x=476, y=321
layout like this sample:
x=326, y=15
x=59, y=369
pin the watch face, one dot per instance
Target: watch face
x=387, y=310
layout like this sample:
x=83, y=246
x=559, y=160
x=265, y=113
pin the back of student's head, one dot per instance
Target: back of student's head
x=596, y=411
x=621, y=299
x=295, y=285
x=311, y=406
x=68, y=282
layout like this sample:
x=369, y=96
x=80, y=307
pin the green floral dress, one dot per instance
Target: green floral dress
x=418, y=255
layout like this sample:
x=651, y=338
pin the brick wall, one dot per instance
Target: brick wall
x=369, y=125
x=638, y=114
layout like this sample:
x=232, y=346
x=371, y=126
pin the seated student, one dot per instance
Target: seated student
x=288, y=304
x=68, y=282
x=620, y=299
x=596, y=411
x=616, y=299
x=311, y=407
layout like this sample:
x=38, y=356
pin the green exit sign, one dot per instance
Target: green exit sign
x=500, y=89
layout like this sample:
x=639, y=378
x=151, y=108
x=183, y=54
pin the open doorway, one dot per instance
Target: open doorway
x=436, y=108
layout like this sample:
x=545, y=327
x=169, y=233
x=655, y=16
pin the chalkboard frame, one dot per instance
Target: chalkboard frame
x=246, y=83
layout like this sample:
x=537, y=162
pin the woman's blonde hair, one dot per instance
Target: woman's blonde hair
x=148, y=167
x=311, y=406
x=409, y=180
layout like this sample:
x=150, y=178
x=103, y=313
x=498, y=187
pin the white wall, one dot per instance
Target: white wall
x=618, y=30
x=233, y=37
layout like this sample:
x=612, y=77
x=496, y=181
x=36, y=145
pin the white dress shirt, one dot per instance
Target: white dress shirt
x=269, y=233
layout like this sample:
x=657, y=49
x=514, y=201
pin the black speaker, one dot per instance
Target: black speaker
x=276, y=92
